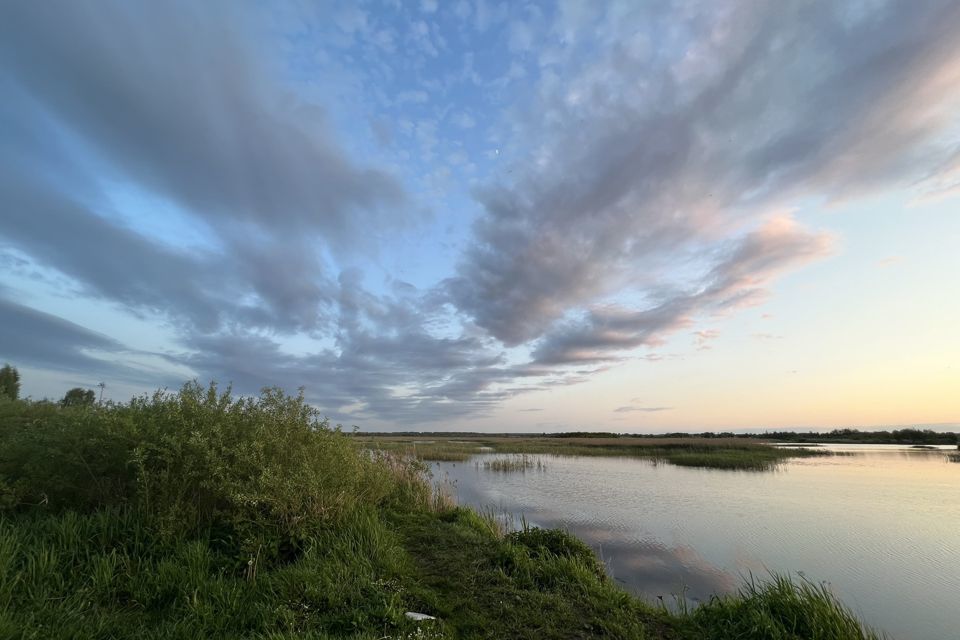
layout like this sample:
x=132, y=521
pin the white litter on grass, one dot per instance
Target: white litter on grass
x=413, y=615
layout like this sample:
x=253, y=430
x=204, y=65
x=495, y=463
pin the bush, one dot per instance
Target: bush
x=78, y=397
x=55, y=457
x=259, y=474
x=9, y=382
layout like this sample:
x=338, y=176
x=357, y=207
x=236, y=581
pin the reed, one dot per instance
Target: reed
x=521, y=462
x=779, y=607
x=713, y=453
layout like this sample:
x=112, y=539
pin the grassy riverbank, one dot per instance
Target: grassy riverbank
x=195, y=515
x=715, y=453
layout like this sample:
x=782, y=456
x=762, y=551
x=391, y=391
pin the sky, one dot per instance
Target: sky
x=490, y=216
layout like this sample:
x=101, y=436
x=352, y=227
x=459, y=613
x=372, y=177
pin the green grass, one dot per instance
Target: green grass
x=108, y=575
x=197, y=515
x=430, y=451
x=777, y=609
x=514, y=463
x=712, y=453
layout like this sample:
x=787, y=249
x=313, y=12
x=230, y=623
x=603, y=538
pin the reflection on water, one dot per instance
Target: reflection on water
x=881, y=527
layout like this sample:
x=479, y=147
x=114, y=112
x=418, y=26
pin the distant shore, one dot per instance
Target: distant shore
x=706, y=452
x=905, y=436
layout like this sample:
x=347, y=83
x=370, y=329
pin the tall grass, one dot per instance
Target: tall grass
x=107, y=574
x=430, y=451
x=714, y=453
x=779, y=608
x=514, y=463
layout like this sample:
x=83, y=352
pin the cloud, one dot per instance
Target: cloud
x=737, y=279
x=44, y=340
x=384, y=361
x=632, y=408
x=350, y=19
x=416, y=97
x=767, y=336
x=464, y=120
x=521, y=37
x=703, y=338
x=34, y=338
x=199, y=291
x=636, y=171
x=173, y=99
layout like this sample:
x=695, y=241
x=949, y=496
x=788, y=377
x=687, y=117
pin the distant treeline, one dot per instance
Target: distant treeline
x=855, y=436
x=845, y=436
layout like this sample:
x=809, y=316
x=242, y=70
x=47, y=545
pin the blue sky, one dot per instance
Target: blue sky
x=490, y=216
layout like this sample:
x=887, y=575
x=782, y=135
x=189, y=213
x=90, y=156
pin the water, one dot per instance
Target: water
x=881, y=527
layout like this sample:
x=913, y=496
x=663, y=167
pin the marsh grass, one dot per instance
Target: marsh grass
x=513, y=463
x=713, y=453
x=953, y=457
x=779, y=608
x=429, y=451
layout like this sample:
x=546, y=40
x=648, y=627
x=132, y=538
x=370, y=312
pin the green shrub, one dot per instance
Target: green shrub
x=57, y=457
x=260, y=474
x=78, y=397
x=9, y=382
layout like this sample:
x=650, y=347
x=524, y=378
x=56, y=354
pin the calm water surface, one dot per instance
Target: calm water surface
x=881, y=527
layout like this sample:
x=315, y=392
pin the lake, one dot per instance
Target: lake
x=880, y=526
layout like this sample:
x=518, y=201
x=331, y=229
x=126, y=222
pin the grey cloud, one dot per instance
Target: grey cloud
x=382, y=364
x=175, y=102
x=37, y=339
x=657, y=160
x=107, y=261
x=174, y=98
x=44, y=340
x=198, y=290
x=737, y=279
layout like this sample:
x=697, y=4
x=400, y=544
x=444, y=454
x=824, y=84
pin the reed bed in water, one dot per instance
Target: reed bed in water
x=714, y=453
x=427, y=450
x=513, y=463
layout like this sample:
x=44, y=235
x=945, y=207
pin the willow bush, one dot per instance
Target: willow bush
x=257, y=474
